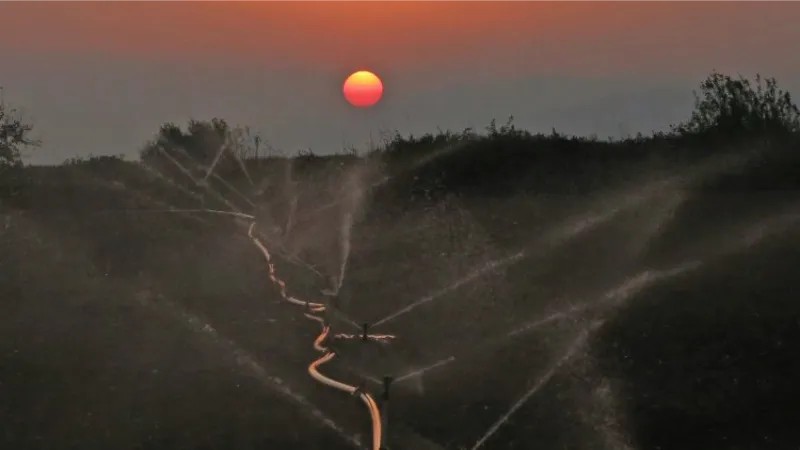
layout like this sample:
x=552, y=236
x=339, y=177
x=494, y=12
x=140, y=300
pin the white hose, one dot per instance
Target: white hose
x=328, y=355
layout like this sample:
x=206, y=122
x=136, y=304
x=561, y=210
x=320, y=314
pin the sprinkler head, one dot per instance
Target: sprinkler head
x=387, y=381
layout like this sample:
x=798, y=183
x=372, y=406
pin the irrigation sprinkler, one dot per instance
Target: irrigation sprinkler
x=387, y=382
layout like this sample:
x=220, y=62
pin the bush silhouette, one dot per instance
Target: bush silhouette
x=736, y=106
x=15, y=134
x=499, y=159
x=201, y=141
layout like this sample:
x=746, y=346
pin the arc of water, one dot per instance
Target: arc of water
x=563, y=233
x=246, y=360
x=487, y=268
x=623, y=291
x=747, y=236
x=214, y=162
x=206, y=186
x=210, y=173
x=569, y=230
x=234, y=146
x=118, y=185
x=369, y=402
x=328, y=354
x=295, y=261
x=576, y=345
x=236, y=212
x=312, y=307
x=154, y=172
x=614, y=296
x=243, y=358
x=208, y=211
x=577, y=226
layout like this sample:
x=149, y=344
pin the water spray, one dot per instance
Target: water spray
x=322, y=345
x=326, y=341
x=240, y=215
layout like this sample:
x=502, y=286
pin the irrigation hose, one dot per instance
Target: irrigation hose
x=328, y=354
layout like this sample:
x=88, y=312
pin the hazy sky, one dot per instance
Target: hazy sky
x=101, y=77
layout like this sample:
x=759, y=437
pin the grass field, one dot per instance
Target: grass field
x=636, y=296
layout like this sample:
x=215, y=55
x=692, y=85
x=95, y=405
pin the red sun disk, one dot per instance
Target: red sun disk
x=364, y=95
x=363, y=89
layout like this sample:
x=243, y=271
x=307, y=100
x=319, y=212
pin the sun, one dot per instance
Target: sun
x=363, y=89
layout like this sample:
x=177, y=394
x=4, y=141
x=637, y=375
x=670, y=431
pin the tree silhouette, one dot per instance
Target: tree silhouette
x=15, y=134
x=201, y=141
x=735, y=106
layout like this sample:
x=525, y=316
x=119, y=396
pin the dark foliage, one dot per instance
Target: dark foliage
x=737, y=106
x=15, y=135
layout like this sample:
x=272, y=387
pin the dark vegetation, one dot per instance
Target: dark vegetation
x=708, y=361
x=730, y=115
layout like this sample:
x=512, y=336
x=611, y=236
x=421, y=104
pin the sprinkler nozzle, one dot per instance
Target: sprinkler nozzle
x=387, y=382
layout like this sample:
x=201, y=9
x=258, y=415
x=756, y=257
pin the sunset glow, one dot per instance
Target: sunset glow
x=513, y=38
x=363, y=89
x=582, y=67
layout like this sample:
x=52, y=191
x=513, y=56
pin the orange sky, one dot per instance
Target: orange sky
x=402, y=35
